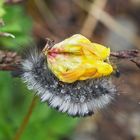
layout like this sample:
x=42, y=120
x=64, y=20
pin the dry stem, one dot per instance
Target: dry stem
x=25, y=120
x=9, y=60
x=91, y=22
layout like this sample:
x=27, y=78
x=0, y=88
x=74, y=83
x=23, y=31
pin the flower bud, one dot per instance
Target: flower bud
x=77, y=58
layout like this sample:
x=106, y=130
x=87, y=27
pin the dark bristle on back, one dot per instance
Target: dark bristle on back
x=81, y=98
x=25, y=53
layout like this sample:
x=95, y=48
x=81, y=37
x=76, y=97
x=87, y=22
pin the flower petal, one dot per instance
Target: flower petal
x=101, y=51
x=76, y=58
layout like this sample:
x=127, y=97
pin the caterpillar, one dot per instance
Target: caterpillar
x=79, y=98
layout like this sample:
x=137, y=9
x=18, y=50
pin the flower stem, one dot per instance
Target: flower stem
x=25, y=120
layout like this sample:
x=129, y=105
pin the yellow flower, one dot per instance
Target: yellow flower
x=77, y=58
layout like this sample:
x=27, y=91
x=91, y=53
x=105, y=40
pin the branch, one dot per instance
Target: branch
x=9, y=61
x=126, y=54
x=137, y=62
x=4, y=34
x=132, y=55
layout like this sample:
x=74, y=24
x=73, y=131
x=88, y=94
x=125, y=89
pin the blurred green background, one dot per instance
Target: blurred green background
x=45, y=123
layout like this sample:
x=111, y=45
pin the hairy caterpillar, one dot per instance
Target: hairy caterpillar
x=78, y=98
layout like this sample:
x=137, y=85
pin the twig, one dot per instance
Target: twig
x=9, y=60
x=26, y=119
x=4, y=34
x=126, y=54
x=137, y=62
x=91, y=22
x=132, y=55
